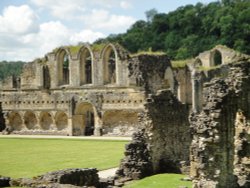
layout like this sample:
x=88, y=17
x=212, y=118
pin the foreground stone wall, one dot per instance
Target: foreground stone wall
x=162, y=144
x=63, y=178
x=220, y=154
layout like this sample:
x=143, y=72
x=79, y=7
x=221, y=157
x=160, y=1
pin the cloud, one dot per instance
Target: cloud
x=71, y=9
x=86, y=36
x=50, y=35
x=102, y=19
x=125, y=5
x=94, y=14
x=18, y=20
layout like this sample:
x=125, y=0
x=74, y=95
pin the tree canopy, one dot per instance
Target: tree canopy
x=190, y=29
x=13, y=68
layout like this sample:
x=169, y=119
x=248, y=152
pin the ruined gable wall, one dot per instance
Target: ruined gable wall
x=220, y=145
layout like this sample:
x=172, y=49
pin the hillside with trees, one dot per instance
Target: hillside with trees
x=13, y=68
x=190, y=29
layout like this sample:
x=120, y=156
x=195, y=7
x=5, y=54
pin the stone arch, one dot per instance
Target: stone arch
x=15, y=121
x=197, y=63
x=109, y=57
x=30, y=120
x=61, y=120
x=216, y=58
x=83, y=120
x=46, y=77
x=63, y=70
x=120, y=122
x=46, y=120
x=86, y=66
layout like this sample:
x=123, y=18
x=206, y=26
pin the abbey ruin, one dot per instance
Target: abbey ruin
x=192, y=119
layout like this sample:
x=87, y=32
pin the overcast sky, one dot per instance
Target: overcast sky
x=31, y=28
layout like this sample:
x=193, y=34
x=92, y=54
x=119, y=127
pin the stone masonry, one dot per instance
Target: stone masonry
x=83, y=90
x=104, y=90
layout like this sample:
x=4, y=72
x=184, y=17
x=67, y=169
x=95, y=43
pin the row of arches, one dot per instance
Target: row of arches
x=43, y=121
x=84, y=121
x=86, y=66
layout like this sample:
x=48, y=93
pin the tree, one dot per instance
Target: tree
x=150, y=14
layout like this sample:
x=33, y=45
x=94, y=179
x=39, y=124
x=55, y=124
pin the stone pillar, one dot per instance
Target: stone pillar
x=98, y=124
x=196, y=91
x=70, y=126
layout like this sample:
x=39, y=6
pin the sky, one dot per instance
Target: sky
x=31, y=28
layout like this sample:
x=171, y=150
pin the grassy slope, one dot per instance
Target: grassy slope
x=30, y=157
x=160, y=181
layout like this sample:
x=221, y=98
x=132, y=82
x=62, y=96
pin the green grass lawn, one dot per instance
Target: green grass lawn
x=160, y=181
x=31, y=157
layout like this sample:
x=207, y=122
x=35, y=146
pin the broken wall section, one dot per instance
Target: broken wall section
x=220, y=149
x=162, y=144
x=151, y=72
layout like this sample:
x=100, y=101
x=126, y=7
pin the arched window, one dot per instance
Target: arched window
x=46, y=77
x=30, y=120
x=85, y=67
x=109, y=69
x=83, y=120
x=216, y=58
x=15, y=121
x=45, y=120
x=61, y=120
x=63, y=68
x=66, y=69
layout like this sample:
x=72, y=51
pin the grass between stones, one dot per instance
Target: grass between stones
x=160, y=181
x=31, y=157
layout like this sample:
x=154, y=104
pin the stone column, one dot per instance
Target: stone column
x=196, y=91
x=70, y=126
x=98, y=124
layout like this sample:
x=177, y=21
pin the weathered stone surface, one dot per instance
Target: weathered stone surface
x=100, y=90
x=220, y=146
x=164, y=131
x=74, y=177
x=4, y=181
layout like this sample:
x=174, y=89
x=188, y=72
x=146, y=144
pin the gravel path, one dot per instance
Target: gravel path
x=68, y=137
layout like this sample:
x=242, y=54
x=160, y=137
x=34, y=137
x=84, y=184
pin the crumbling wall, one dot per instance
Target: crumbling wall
x=162, y=144
x=28, y=76
x=220, y=154
x=148, y=72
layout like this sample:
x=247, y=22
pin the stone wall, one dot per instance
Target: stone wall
x=162, y=144
x=148, y=72
x=220, y=154
x=68, y=177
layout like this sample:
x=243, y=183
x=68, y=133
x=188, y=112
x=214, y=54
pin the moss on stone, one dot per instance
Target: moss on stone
x=74, y=49
x=98, y=47
x=180, y=63
x=157, y=53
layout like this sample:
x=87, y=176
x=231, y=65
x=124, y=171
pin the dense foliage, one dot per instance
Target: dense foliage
x=190, y=29
x=13, y=68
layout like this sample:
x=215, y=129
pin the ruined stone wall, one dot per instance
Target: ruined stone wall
x=220, y=154
x=163, y=140
x=227, y=56
x=148, y=72
x=28, y=76
x=49, y=110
